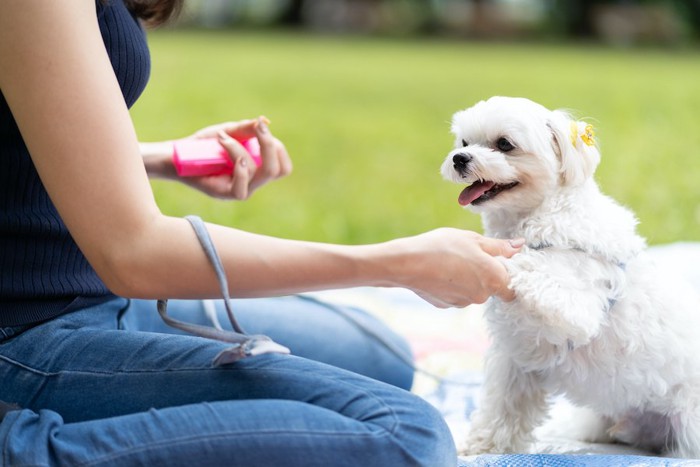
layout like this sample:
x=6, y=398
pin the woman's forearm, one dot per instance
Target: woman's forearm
x=447, y=267
x=166, y=260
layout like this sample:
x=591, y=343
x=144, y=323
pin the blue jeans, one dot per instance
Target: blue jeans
x=111, y=385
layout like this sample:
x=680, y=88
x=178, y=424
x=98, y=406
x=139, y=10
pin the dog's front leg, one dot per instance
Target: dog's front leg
x=513, y=404
x=565, y=294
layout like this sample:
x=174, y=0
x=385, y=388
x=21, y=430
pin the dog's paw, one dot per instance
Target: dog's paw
x=480, y=443
x=476, y=445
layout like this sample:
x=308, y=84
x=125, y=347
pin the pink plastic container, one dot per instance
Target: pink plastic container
x=194, y=157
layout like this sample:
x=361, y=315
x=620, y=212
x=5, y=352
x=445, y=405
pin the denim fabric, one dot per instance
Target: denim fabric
x=106, y=386
x=310, y=329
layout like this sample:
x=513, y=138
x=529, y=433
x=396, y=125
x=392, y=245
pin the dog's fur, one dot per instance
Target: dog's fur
x=592, y=318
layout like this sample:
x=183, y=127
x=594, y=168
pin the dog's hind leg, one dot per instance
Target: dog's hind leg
x=685, y=442
x=650, y=431
x=513, y=404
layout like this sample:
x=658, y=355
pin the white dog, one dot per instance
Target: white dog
x=592, y=318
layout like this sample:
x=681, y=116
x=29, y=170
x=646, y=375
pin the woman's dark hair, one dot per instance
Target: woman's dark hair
x=155, y=12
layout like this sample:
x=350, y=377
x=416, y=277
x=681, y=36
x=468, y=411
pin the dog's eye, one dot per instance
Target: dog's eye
x=504, y=145
x=464, y=144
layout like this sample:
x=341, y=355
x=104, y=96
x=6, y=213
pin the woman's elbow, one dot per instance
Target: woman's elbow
x=125, y=274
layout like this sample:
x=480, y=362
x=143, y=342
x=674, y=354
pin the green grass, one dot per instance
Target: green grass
x=366, y=121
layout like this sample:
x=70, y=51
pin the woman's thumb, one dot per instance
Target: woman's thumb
x=500, y=247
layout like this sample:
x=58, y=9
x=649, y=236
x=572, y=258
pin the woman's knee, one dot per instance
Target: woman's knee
x=423, y=435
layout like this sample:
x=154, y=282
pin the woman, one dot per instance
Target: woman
x=84, y=252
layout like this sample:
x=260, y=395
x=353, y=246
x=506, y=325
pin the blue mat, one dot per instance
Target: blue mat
x=555, y=460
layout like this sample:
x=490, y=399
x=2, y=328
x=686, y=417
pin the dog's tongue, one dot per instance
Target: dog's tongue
x=474, y=191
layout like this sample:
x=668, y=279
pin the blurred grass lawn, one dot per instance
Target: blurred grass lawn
x=366, y=121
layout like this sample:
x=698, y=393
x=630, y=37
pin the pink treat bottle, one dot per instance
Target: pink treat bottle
x=196, y=157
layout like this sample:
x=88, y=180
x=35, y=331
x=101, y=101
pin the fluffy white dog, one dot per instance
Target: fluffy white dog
x=592, y=319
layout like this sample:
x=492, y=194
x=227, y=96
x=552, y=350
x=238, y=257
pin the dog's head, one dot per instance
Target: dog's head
x=513, y=153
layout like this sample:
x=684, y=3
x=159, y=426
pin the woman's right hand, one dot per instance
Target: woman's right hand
x=455, y=268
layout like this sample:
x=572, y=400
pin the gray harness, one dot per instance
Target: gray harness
x=244, y=345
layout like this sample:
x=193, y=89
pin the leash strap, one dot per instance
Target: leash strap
x=244, y=345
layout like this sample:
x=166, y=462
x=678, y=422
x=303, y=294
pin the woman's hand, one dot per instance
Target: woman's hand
x=455, y=268
x=246, y=178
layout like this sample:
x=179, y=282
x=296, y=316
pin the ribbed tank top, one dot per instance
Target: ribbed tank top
x=43, y=273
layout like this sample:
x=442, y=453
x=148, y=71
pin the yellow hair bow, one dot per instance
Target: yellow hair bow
x=588, y=135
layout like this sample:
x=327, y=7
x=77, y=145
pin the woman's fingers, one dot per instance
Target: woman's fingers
x=243, y=129
x=496, y=277
x=244, y=167
x=276, y=162
x=499, y=247
x=270, y=166
x=285, y=161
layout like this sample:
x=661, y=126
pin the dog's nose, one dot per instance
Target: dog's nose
x=460, y=161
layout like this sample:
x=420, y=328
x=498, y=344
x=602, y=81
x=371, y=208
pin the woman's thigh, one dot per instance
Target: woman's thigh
x=235, y=433
x=95, y=394
x=341, y=336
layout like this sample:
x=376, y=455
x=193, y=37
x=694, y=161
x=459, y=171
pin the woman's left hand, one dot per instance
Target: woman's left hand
x=246, y=178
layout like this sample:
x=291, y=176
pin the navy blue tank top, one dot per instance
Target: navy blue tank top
x=43, y=273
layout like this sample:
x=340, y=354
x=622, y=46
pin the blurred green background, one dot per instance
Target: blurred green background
x=366, y=120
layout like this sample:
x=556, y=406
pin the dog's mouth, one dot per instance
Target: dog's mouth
x=482, y=191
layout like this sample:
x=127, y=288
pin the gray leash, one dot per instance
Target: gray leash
x=251, y=345
x=243, y=345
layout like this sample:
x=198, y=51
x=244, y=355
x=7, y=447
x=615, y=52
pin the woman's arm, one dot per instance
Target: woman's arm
x=158, y=159
x=58, y=81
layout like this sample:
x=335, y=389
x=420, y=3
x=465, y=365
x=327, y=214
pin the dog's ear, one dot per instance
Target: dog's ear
x=575, y=145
